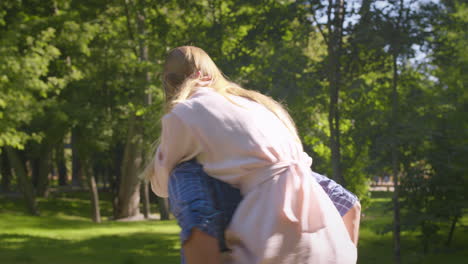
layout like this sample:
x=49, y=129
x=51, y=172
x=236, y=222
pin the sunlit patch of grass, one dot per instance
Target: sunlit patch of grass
x=81, y=241
x=65, y=234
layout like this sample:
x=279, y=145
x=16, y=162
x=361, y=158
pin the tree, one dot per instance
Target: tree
x=435, y=190
x=6, y=173
x=332, y=32
x=27, y=53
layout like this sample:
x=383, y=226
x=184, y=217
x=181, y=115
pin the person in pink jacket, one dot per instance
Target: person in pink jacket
x=248, y=140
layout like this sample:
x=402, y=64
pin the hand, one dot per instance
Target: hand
x=203, y=81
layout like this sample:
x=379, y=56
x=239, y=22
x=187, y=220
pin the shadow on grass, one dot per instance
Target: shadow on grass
x=73, y=204
x=116, y=249
x=11, y=222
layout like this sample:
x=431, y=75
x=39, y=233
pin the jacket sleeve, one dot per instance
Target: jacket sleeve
x=178, y=144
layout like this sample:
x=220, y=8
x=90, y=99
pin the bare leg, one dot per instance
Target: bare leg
x=201, y=248
x=351, y=220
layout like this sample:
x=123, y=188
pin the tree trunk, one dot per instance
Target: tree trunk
x=395, y=50
x=105, y=177
x=43, y=172
x=24, y=182
x=91, y=180
x=129, y=189
x=163, y=208
x=334, y=44
x=6, y=173
x=117, y=173
x=395, y=164
x=146, y=202
x=61, y=165
x=77, y=172
x=144, y=58
x=452, y=230
x=34, y=163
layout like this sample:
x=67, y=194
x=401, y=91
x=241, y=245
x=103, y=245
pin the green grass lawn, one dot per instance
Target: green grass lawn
x=376, y=243
x=64, y=234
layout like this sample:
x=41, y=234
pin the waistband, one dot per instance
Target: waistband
x=300, y=201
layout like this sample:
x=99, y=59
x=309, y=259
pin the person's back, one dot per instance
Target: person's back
x=252, y=143
x=242, y=143
x=245, y=135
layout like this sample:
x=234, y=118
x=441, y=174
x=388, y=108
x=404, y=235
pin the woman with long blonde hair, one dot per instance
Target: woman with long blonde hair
x=247, y=140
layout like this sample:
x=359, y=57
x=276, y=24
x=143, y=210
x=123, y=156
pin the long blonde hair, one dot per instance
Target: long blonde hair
x=182, y=69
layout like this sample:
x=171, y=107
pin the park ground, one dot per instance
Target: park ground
x=64, y=234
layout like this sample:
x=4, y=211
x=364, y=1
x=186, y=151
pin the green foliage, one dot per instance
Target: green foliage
x=78, y=66
x=435, y=182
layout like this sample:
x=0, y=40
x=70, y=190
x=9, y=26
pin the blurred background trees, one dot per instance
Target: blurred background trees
x=377, y=88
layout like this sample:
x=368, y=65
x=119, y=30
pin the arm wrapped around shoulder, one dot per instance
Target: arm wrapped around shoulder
x=178, y=144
